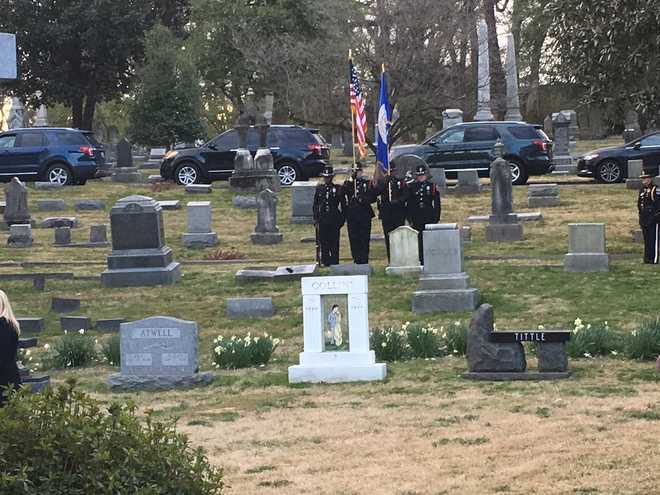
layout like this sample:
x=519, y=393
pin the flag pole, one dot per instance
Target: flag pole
x=350, y=81
x=389, y=169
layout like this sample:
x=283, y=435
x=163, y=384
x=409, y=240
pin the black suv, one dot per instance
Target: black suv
x=298, y=153
x=53, y=154
x=469, y=146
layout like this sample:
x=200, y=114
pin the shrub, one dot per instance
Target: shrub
x=73, y=349
x=455, y=338
x=592, y=340
x=111, y=351
x=389, y=344
x=238, y=352
x=424, y=341
x=644, y=343
x=63, y=441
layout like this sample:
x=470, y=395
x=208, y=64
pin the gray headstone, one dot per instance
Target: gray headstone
x=483, y=75
x=139, y=255
x=635, y=169
x=547, y=125
x=451, y=116
x=503, y=226
x=30, y=325
x=89, y=204
x=631, y=128
x=16, y=199
x=51, y=205
x=20, y=236
x=351, y=269
x=75, y=323
x=250, y=307
x=199, y=230
x=47, y=186
x=512, y=100
x=244, y=202
x=560, y=127
x=542, y=195
x=170, y=204
x=444, y=286
x=404, y=252
x=63, y=305
x=8, y=56
x=486, y=356
x=586, y=248
x=54, y=222
x=159, y=346
x=552, y=357
x=302, y=197
x=266, y=230
x=109, y=324
x=468, y=182
x=154, y=179
x=62, y=236
x=199, y=189
x=126, y=175
x=98, y=233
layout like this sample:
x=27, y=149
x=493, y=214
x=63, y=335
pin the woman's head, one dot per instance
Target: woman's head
x=6, y=311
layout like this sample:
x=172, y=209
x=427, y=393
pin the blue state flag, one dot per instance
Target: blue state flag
x=383, y=126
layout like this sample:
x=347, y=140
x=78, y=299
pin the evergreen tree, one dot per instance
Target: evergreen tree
x=167, y=97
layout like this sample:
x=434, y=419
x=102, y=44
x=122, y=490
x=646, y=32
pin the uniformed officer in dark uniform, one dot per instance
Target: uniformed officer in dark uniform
x=393, y=193
x=423, y=205
x=648, y=205
x=359, y=193
x=329, y=215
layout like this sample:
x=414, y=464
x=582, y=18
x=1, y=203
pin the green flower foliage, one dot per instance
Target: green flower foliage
x=64, y=442
x=111, y=351
x=72, y=350
x=593, y=340
x=644, y=343
x=243, y=352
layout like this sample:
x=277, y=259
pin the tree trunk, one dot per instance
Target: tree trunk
x=88, y=112
x=497, y=78
x=77, y=112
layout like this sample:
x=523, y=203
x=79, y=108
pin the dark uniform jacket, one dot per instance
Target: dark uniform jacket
x=8, y=350
x=423, y=203
x=359, y=203
x=396, y=206
x=648, y=205
x=329, y=204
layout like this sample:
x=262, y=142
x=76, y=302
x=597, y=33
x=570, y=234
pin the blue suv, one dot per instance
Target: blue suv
x=59, y=155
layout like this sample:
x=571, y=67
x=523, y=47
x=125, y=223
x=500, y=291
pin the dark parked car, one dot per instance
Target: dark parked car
x=298, y=154
x=610, y=165
x=469, y=146
x=52, y=154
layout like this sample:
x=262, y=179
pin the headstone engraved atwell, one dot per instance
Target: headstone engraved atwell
x=336, y=332
x=139, y=255
x=158, y=353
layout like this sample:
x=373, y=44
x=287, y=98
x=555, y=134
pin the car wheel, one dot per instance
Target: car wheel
x=59, y=174
x=187, y=174
x=518, y=173
x=609, y=172
x=288, y=173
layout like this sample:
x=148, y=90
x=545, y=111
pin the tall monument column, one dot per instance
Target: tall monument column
x=512, y=99
x=483, y=73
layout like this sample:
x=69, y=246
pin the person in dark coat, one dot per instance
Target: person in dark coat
x=392, y=197
x=648, y=205
x=359, y=194
x=9, y=332
x=423, y=205
x=329, y=215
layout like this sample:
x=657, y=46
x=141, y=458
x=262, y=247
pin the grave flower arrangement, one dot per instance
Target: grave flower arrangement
x=243, y=352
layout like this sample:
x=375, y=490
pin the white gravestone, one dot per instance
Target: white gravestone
x=160, y=353
x=336, y=332
x=404, y=252
x=444, y=285
x=586, y=248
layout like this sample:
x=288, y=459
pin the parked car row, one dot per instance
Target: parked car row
x=71, y=156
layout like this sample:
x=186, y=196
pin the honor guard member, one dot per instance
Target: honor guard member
x=329, y=215
x=648, y=205
x=423, y=205
x=359, y=194
x=393, y=193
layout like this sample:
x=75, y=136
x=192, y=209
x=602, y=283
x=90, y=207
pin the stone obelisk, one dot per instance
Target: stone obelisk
x=512, y=100
x=483, y=75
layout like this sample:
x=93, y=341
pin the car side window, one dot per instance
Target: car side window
x=227, y=141
x=452, y=137
x=30, y=139
x=481, y=133
x=653, y=140
x=69, y=138
x=7, y=141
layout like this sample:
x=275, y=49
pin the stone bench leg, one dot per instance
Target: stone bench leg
x=552, y=357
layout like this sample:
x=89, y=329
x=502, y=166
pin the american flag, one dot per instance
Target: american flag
x=358, y=113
